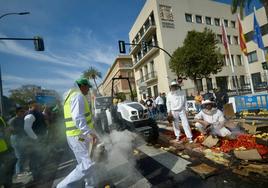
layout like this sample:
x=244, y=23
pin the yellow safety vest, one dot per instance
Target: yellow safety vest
x=71, y=129
x=3, y=144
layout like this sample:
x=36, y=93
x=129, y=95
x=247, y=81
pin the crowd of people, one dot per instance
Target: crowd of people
x=24, y=142
x=209, y=118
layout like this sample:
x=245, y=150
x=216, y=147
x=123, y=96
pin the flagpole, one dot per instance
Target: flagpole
x=230, y=59
x=262, y=50
x=248, y=70
x=245, y=58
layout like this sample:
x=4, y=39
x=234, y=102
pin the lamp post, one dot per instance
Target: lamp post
x=1, y=86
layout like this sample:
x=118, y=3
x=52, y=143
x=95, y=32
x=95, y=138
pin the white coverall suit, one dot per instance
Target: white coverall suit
x=80, y=148
x=176, y=101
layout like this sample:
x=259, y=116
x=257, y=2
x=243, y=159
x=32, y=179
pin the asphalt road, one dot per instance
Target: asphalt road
x=149, y=167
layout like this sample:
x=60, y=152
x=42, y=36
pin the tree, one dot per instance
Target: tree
x=92, y=73
x=241, y=4
x=24, y=94
x=198, y=57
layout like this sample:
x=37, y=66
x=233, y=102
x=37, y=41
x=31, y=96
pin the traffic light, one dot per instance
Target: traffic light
x=144, y=45
x=39, y=44
x=264, y=65
x=122, y=47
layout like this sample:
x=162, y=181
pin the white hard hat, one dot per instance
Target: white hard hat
x=173, y=83
x=208, y=102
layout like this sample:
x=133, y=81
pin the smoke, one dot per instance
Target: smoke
x=119, y=165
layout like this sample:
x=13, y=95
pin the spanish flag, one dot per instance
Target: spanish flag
x=242, y=39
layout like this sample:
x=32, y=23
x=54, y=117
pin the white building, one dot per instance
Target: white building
x=165, y=23
x=255, y=55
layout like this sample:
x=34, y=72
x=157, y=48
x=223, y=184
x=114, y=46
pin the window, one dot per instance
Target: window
x=242, y=80
x=233, y=24
x=188, y=17
x=239, y=60
x=198, y=19
x=235, y=81
x=225, y=23
x=233, y=60
x=219, y=38
x=217, y=21
x=226, y=60
x=229, y=39
x=252, y=57
x=155, y=88
x=256, y=79
x=199, y=84
x=208, y=20
x=235, y=39
x=266, y=50
x=209, y=83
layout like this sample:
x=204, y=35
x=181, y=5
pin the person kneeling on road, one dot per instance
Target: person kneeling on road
x=210, y=120
x=80, y=134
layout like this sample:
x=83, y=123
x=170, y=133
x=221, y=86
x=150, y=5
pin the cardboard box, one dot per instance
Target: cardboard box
x=210, y=141
x=252, y=154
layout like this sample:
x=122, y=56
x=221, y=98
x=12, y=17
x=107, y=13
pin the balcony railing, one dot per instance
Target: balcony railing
x=144, y=32
x=140, y=56
x=147, y=77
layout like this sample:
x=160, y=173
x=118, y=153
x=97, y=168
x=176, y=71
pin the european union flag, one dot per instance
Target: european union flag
x=257, y=37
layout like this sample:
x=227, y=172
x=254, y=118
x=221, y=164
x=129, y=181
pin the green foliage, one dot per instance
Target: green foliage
x=198, y=57
x=93, y=74
x=241, y=5
x=121, y=96
x=22, y=96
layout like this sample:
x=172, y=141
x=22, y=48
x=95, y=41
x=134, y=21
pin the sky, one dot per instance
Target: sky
x=77, y=34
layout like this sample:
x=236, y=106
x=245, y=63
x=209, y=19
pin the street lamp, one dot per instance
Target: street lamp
x=1, y=87
x=14, y=13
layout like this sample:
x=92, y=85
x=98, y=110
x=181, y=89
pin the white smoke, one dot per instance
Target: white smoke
x=120, y=163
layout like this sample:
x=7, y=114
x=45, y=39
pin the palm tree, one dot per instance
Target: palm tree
x=94, y=74
x=241, y=4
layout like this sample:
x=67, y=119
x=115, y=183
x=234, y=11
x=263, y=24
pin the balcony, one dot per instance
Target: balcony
x=147, y=78
x=150, y=51
x=149, y=29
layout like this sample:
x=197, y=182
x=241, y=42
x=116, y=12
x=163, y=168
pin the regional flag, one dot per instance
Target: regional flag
x=257, y=36
x=224, y=38
x=242, y=39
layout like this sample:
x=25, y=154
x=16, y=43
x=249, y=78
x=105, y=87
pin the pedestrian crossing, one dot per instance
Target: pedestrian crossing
x=123, y=173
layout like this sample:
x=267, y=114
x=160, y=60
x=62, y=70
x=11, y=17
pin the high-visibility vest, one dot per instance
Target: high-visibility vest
x=3, y=144
x=71, y=129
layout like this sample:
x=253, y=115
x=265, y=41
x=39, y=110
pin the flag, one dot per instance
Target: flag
x=224, y=39
x=242, y=39
x=257, y=37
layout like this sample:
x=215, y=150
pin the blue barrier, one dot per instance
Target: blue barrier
x=49, y=100
x=253, y=102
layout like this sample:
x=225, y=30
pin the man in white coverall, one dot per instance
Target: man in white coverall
x=211, y=120
x=79, y=131
x=176, y=102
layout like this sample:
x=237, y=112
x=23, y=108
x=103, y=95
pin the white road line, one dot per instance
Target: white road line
x=174, y=163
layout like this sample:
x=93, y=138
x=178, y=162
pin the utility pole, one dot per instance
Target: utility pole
x=1, y=84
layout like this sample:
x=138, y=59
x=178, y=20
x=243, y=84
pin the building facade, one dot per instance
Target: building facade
x=255, y=55
x=165, y=23
x=122, y=66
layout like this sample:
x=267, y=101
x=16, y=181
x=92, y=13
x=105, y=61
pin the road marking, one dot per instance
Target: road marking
x=174, y=163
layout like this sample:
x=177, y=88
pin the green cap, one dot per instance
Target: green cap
x=83, y=81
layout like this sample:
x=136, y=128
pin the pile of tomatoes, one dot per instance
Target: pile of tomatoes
x=246, y=141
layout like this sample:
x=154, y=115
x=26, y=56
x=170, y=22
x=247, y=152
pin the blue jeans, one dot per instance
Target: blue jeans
x=17, y=144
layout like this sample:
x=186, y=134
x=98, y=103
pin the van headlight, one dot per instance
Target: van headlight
x=134, y=118
x=134, y=112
